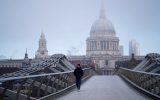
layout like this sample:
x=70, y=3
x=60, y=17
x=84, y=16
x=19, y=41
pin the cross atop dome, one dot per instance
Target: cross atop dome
x=102, y=11
x=42, y=35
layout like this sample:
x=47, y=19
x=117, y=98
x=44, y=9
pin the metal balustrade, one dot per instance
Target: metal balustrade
x=41, y=87
x=146, y=82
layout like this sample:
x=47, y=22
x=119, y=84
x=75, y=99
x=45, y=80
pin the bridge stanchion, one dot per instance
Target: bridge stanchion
x=56, y=82
x=39, y=87
x=5, y=86
x=47, y=85
x=30, y=90
x=143, y=81
x=150, y=83
x=60, y=82
x=157, y=85
x=19, y=88
x=65, y=80
x=53, y=85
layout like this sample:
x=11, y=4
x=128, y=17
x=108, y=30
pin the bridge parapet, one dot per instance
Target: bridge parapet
x=106, y=71
x=41, y=87
x=144, y=81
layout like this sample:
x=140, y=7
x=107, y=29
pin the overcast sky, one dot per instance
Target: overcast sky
x=67, y=23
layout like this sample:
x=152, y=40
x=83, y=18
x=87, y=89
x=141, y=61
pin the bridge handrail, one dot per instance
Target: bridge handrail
x=148, y=73
x=148, y=83
x=31, y=87
x=34, y=76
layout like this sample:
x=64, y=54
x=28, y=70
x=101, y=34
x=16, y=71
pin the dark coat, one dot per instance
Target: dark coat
x=78, y=73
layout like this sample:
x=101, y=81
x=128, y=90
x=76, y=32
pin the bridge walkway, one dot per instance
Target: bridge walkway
x=105, y=88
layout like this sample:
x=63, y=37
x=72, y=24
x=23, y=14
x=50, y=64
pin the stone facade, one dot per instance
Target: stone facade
x=103, y=45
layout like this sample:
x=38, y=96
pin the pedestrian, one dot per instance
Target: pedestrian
x=78, y=73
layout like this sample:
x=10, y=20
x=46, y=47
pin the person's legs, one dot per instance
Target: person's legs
x=79, y=84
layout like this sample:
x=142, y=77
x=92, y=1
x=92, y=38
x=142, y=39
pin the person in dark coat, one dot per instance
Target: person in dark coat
x=78, y=73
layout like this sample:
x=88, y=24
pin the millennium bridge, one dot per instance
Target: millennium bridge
x=53, y=79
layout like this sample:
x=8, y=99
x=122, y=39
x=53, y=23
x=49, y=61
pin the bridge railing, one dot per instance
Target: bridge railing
x=41, y=87
x=147, y=82
x=106, y=71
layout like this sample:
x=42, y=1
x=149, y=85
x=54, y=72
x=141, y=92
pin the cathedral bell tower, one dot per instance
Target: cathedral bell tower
x=42, y=51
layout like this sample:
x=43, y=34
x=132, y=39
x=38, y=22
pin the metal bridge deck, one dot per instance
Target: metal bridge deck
x=105, y=88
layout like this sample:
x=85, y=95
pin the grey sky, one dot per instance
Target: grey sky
x=66, y=24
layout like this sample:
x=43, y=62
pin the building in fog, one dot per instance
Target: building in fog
x=42, y=51
x=9, y=65
x=134, y=48
x=102, y=50
x=103, y=44
x=102, y=38
x=121, y=50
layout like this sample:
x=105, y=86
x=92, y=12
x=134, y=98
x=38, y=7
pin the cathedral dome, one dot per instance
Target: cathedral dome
x=102, y=26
